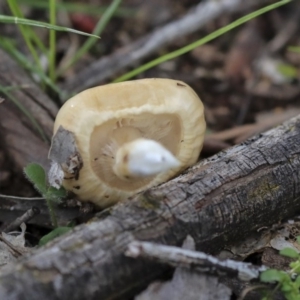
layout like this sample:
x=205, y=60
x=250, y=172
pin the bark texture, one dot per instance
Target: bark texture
x=217, y=202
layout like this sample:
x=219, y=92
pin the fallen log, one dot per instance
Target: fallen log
x=217, y=202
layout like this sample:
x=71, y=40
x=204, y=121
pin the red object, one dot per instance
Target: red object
x=83, y=22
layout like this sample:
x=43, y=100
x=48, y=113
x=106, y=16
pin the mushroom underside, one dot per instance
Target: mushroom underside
x=109, y=136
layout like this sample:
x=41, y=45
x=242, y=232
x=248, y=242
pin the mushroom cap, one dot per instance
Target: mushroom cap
x=105, y=117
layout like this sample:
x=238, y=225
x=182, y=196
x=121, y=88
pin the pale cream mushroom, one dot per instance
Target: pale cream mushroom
x=129, y=137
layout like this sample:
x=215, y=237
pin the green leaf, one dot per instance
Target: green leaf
x=295, y=265
x=286, y=287
x=297, y=280
x=294, y=49
x=37, y=175
x=56, y=194
x=16, y=20
x=53, y=234
x=272, y=275
x=289, y=252
x=298, y=239
x=287, y=70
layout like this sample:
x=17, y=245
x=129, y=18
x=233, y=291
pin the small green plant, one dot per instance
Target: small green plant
x=287, y=282
x=54, y=234
x=287, y=70
x=295, y=49
x=37, y=175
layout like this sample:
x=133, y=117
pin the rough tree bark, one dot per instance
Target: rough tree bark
x=217, y=202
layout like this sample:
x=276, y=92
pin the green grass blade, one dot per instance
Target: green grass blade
x=294, y=49
x=89, y=9
x=24, y=30
x=52, y=40
x=23, y=61
x=16, y=20
x=20, y=106
x=30, y=34
x=200, y=42
x=98, y=30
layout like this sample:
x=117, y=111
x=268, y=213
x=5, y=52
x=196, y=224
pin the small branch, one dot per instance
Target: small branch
x=14, y=207
x=15, y=252
x=197, y=261
x=21, y=198
x=28, y=215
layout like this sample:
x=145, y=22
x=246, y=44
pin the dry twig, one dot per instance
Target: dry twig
x=28, y=215
x=196, y=261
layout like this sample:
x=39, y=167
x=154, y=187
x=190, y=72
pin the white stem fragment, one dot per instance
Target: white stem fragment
x=143, y=158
